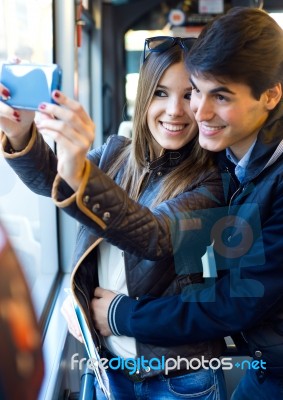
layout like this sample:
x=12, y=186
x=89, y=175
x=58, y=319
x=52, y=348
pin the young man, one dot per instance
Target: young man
x=236, y=70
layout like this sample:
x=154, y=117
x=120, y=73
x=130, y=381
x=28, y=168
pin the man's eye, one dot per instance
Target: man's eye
x=221, y=98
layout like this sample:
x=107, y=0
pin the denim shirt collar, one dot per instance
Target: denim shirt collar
x=241, y=165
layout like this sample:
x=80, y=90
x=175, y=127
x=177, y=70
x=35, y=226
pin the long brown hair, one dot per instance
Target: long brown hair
x=188, y=171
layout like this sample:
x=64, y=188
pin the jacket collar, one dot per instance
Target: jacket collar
x=268, y=139
x=172, y=158
x=267, y=142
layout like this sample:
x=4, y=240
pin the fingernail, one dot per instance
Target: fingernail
x=42, y=106
x=16, y=60
x=6, y=92
x=5, y=95
x=56, y=94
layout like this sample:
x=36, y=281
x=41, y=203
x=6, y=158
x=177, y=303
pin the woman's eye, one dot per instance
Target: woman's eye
x=188, y=96
x=160, y=93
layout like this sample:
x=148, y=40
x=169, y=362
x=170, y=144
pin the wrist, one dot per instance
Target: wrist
x=10, y=150
x=111, y=314
x=120, y=306
x=16, y=145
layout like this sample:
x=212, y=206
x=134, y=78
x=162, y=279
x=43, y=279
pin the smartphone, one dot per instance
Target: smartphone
x=30, y=84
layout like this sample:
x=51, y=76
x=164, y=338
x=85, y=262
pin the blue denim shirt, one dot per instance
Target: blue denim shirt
x=241, y=165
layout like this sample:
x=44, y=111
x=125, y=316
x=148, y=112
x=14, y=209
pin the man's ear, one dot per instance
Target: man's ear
x=273, y=96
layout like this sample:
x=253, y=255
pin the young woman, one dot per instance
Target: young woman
x=163, y=177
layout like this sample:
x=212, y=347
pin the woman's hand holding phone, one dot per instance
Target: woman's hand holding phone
x=68, y=124
x=23, y=87
x=62, y=119
x=15, y=123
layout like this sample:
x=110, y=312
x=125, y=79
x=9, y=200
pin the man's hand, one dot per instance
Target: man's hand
x=99, y=307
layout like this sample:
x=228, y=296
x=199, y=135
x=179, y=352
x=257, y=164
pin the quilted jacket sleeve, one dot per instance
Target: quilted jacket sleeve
x=36, y=165
x=107, y=210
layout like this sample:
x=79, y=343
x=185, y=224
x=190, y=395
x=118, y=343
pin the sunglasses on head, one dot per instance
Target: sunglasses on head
x=158, y=44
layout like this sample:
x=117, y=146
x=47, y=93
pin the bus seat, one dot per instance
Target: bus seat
x=125, y=129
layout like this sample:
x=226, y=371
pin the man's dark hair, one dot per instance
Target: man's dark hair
x=245, y=46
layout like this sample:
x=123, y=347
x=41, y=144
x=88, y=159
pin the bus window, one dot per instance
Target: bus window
x=278, y=18
x=26, y=31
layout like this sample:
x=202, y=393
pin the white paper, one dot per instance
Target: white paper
x=92, y=353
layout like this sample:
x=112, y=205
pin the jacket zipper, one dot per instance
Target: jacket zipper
x=126, y=276
x=231, y=176
x=232, y=198
x=241, y=188
x=146, y=176
x=244, y=337
x=235, y=193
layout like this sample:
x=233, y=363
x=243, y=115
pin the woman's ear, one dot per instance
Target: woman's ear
x=273, y=96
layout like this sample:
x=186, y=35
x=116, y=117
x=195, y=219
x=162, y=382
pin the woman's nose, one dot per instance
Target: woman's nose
x=175, y=108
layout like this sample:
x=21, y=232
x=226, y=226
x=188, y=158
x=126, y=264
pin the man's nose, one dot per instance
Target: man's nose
x=202, y=109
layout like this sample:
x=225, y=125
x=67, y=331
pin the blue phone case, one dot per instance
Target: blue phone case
x=30, y=84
